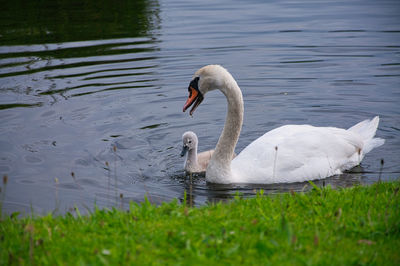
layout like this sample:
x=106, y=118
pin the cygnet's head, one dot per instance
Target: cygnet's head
x=206, y=79
x=189, y=140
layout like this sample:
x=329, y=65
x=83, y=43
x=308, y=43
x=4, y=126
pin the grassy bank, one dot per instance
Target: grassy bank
x=359, y=225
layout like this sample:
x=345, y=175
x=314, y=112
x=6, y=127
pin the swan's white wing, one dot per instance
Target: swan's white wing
x=296, y=153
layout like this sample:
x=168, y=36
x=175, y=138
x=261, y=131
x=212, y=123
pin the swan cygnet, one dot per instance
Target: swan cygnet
x=290, y=153
x=194, y=162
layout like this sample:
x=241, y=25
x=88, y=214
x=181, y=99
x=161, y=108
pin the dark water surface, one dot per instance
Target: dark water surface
x=78, y=78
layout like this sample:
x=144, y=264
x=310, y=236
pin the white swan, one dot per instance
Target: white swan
x=291, y=153
x=194, y=162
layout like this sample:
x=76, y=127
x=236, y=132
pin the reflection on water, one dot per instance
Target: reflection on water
x=91, y=92
x=61, y=21
x=196, y=186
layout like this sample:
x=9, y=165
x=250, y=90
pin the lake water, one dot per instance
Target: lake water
x=91, y=93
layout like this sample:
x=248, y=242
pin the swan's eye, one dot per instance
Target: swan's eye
x=195, y=83
x=190, y=141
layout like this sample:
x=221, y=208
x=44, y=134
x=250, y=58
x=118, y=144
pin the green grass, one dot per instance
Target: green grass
x=359, y=225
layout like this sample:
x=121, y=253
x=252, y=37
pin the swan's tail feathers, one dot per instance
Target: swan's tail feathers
x=367, y=129
x=372, y=144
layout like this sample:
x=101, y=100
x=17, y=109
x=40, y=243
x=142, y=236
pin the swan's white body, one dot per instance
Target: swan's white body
x=296, y=153
x=291, y=153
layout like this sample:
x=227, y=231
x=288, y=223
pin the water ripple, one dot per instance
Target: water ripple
x=102, y=95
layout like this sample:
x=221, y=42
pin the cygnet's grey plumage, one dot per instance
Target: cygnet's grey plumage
x=194, y=162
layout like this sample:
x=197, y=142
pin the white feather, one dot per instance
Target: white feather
x=291, y=153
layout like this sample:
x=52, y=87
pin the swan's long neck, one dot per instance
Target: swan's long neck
x=219, y=169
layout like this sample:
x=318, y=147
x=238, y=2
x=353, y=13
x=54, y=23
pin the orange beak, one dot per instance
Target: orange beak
x=192, y=97
x=195, y=98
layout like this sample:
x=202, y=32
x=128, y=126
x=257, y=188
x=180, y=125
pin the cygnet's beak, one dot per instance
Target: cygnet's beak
x=184, y=150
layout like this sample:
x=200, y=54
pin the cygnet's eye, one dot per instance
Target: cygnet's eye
x=190, y=141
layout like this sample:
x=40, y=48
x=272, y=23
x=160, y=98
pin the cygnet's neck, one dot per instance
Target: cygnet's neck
x=219, y=169
x=192, y=157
